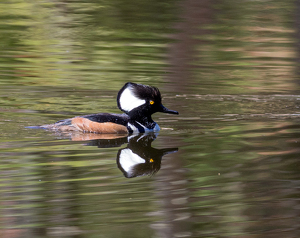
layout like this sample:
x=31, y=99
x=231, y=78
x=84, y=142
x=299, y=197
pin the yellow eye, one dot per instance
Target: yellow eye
x=151, y=160
x=151, y=102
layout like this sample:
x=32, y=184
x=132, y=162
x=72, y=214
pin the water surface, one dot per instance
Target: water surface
x=226, y=166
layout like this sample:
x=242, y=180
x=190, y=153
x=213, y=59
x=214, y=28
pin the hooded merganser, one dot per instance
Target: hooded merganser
x=138, y=102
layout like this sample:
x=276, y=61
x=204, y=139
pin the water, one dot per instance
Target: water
x=226, y=166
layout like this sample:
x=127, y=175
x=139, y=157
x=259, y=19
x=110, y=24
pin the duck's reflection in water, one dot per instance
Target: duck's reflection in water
x=139, y=158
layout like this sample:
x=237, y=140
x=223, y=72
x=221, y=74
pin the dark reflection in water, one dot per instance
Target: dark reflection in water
x=139, y=158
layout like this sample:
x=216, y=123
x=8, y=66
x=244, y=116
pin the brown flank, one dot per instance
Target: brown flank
x=84, y=124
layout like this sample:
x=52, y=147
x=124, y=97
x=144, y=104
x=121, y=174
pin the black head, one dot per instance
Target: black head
x=141, y=98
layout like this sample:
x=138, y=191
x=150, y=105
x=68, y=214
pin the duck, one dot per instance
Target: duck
x=137, y=102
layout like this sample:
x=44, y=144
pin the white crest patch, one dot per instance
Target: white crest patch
x=129, y=101
x=128, y=159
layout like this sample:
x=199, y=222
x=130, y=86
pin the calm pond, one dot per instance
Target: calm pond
x=226, y=166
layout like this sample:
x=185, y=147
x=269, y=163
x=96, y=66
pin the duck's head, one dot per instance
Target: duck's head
x=141, y=100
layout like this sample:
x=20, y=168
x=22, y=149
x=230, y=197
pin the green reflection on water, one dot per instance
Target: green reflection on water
x=83, y=44
x=87, y=45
